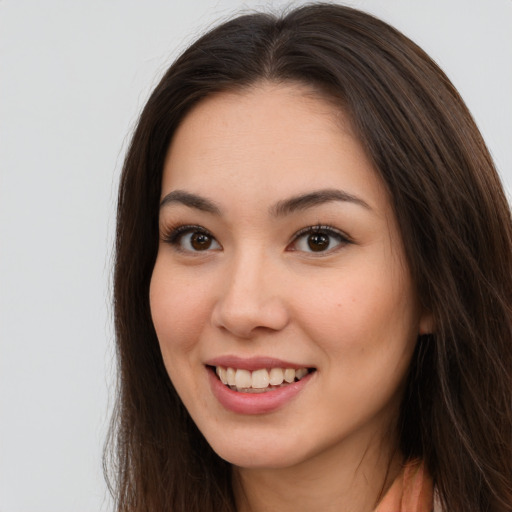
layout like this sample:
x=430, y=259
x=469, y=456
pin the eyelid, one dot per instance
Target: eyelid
x=172, y=235
x=342, y=237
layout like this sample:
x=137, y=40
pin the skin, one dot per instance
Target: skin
x=350, y=311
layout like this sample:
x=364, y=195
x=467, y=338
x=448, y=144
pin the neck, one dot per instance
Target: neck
x=349, y=478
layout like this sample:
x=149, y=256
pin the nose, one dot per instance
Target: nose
x=251, y=299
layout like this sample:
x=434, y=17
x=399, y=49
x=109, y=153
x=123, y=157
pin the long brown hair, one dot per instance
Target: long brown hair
x=457, y=232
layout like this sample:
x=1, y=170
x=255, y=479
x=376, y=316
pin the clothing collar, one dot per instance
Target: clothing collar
x=412, y=491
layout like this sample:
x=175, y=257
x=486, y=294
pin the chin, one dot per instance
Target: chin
x=260, y=453
x=260, y=459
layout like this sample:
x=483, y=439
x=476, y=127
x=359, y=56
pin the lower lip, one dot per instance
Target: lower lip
x=255, y=403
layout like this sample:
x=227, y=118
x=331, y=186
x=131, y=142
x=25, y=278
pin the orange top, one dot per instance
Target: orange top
x=412, y=491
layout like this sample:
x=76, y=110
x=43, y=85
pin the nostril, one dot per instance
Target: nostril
x=246, y=319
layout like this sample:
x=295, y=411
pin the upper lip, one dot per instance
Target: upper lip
x=252, y=363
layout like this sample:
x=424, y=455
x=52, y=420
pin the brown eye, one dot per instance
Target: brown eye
x=319, y=239
x=192, y=239
x=318, y=242
x=200, y=241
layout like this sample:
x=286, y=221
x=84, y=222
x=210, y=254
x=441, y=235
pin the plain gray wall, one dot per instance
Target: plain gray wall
x=73, y=76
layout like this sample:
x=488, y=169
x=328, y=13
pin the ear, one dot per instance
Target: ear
x=426, y=325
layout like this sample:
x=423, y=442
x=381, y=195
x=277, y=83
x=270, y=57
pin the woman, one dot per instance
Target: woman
x=313, y=280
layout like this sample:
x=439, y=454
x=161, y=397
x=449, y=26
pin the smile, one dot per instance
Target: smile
x=257, y=385
x=260, y=380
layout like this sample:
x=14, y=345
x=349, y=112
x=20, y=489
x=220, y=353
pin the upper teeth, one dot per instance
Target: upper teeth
x=258, y=379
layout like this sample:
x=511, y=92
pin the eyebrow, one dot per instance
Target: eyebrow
x=315, y=198
x=282, y=208
x=191, y=200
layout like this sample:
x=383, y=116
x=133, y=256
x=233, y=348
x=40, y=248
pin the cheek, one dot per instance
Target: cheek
x=359, y=312
x=365, y=327
x=179, y=309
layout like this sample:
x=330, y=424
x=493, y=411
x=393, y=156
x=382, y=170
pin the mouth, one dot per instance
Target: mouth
x=260, y=380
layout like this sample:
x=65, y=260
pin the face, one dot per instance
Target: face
x=280, y=296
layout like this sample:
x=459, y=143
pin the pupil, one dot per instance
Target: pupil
x=318, y=242
x=200, y=241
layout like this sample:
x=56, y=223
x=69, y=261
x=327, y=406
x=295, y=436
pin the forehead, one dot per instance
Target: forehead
x=270, y=140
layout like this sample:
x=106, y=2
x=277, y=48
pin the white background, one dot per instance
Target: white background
x=73, y=77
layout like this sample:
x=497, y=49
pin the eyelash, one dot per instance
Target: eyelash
x=174, y=236
x=323, y=229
